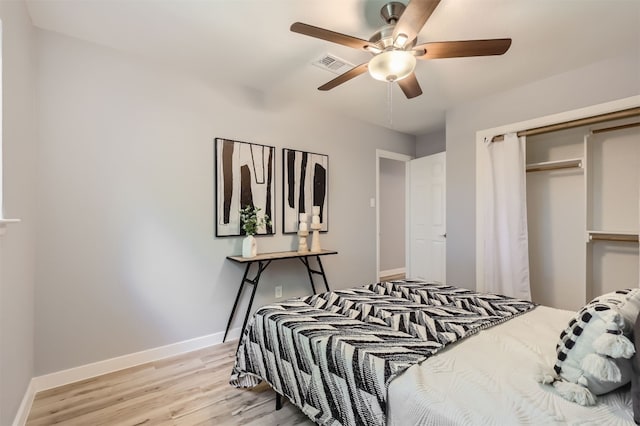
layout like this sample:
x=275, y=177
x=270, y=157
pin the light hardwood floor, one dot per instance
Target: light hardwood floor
x=190, y=389
x=393, y=277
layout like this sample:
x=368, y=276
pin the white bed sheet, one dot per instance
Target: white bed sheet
x=489, y=379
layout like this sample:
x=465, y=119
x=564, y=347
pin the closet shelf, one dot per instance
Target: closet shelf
x=4, y=223
x=553, y=165
x=612, y=236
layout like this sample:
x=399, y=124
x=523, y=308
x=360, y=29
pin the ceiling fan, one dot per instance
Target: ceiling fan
x=395, y=49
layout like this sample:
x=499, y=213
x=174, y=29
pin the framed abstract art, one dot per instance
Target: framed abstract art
x=304, y=181
x=245, y=176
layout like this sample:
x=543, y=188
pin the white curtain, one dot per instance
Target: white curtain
x=506, y=245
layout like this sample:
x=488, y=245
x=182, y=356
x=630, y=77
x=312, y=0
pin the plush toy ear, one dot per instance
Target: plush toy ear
x=575, y=393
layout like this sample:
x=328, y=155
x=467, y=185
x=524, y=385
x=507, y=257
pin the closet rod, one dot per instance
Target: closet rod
x=620, y=127
x=554, y=165
x=631, y=238
x=631, y=112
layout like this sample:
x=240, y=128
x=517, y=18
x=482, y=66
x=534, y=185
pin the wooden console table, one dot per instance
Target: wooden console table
x=263, y=260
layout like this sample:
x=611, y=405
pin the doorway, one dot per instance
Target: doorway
x=391, y=214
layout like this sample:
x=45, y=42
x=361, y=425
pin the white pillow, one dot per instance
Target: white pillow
x=594, y=351
x=627, y=302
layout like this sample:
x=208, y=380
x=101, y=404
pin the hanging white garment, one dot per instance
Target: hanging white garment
x=506, y=245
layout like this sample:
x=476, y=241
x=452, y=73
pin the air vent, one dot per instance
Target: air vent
x=333, y=64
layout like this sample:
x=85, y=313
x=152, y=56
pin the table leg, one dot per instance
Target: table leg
x=253, y=293
x=310, y=271
x=324, y=277
x=235, y=304
x=262, y=265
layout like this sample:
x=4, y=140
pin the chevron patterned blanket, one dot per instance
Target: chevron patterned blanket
x=334, y=354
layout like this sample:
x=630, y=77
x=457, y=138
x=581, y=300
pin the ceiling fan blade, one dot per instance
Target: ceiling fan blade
x=412, y=20
x=461, y=49
x=332, y=36
x=353, y=72
x=410, y=86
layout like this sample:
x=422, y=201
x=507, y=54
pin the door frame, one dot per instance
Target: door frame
x=380, y=153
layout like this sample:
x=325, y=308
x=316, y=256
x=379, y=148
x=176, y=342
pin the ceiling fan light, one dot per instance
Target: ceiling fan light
x=392, y=65
x=373, y=49
x=401, y=40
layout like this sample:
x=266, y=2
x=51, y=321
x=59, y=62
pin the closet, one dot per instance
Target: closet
x=583, y=211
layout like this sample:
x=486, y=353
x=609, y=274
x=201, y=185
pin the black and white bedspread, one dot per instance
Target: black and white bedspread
x=334, y=354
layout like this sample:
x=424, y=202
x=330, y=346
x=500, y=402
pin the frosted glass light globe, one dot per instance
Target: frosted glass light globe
x=392, y=65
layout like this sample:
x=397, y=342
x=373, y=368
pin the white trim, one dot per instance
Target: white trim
x=25, y=406
x=392, y=272
x=604, y=108
x=71, y=375
x=547, y=120
x=59, y=378
x=64, y=377
x=380, y=153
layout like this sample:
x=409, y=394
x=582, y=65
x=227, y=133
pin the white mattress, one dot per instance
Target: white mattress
x=489, y=379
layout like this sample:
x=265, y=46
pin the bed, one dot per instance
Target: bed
x=413, y=353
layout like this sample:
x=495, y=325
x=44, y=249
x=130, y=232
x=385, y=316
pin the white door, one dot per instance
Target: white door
x=426, y=236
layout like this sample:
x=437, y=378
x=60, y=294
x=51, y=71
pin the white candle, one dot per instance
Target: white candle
x=315, y=220
x=316, y=210
x=303, y=226
x=303, y=217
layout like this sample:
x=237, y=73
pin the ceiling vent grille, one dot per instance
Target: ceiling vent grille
x=332, y=63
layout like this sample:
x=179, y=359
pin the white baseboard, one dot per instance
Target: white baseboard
x=64, y=377
x=25, y=406
x=392, y=272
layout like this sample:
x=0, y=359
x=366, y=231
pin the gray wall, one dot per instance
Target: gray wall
x=600, y=82
x=392, y=214
x=17, y=246
x=127, y=258
x=431, y=143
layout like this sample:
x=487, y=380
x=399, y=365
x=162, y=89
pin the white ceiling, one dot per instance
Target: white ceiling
x=248, y=43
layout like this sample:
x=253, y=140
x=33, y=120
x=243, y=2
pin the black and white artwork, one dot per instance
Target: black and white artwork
x=304, y=181
x=245, y=176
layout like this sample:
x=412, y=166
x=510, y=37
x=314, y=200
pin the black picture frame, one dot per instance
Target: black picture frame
x=244, y=175
x=305, y=175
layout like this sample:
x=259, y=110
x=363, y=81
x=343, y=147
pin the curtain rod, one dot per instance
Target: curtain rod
x=626, y=113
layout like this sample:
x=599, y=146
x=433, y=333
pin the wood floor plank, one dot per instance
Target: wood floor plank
x=187, y=390
x=393, y=277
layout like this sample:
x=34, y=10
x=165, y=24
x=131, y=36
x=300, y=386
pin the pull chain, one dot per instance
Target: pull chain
x=390, y=104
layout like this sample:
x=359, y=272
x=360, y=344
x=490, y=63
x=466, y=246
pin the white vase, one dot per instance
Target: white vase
x=249, y=246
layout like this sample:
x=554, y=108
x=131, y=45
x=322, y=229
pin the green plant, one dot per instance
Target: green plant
x=250, y=220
